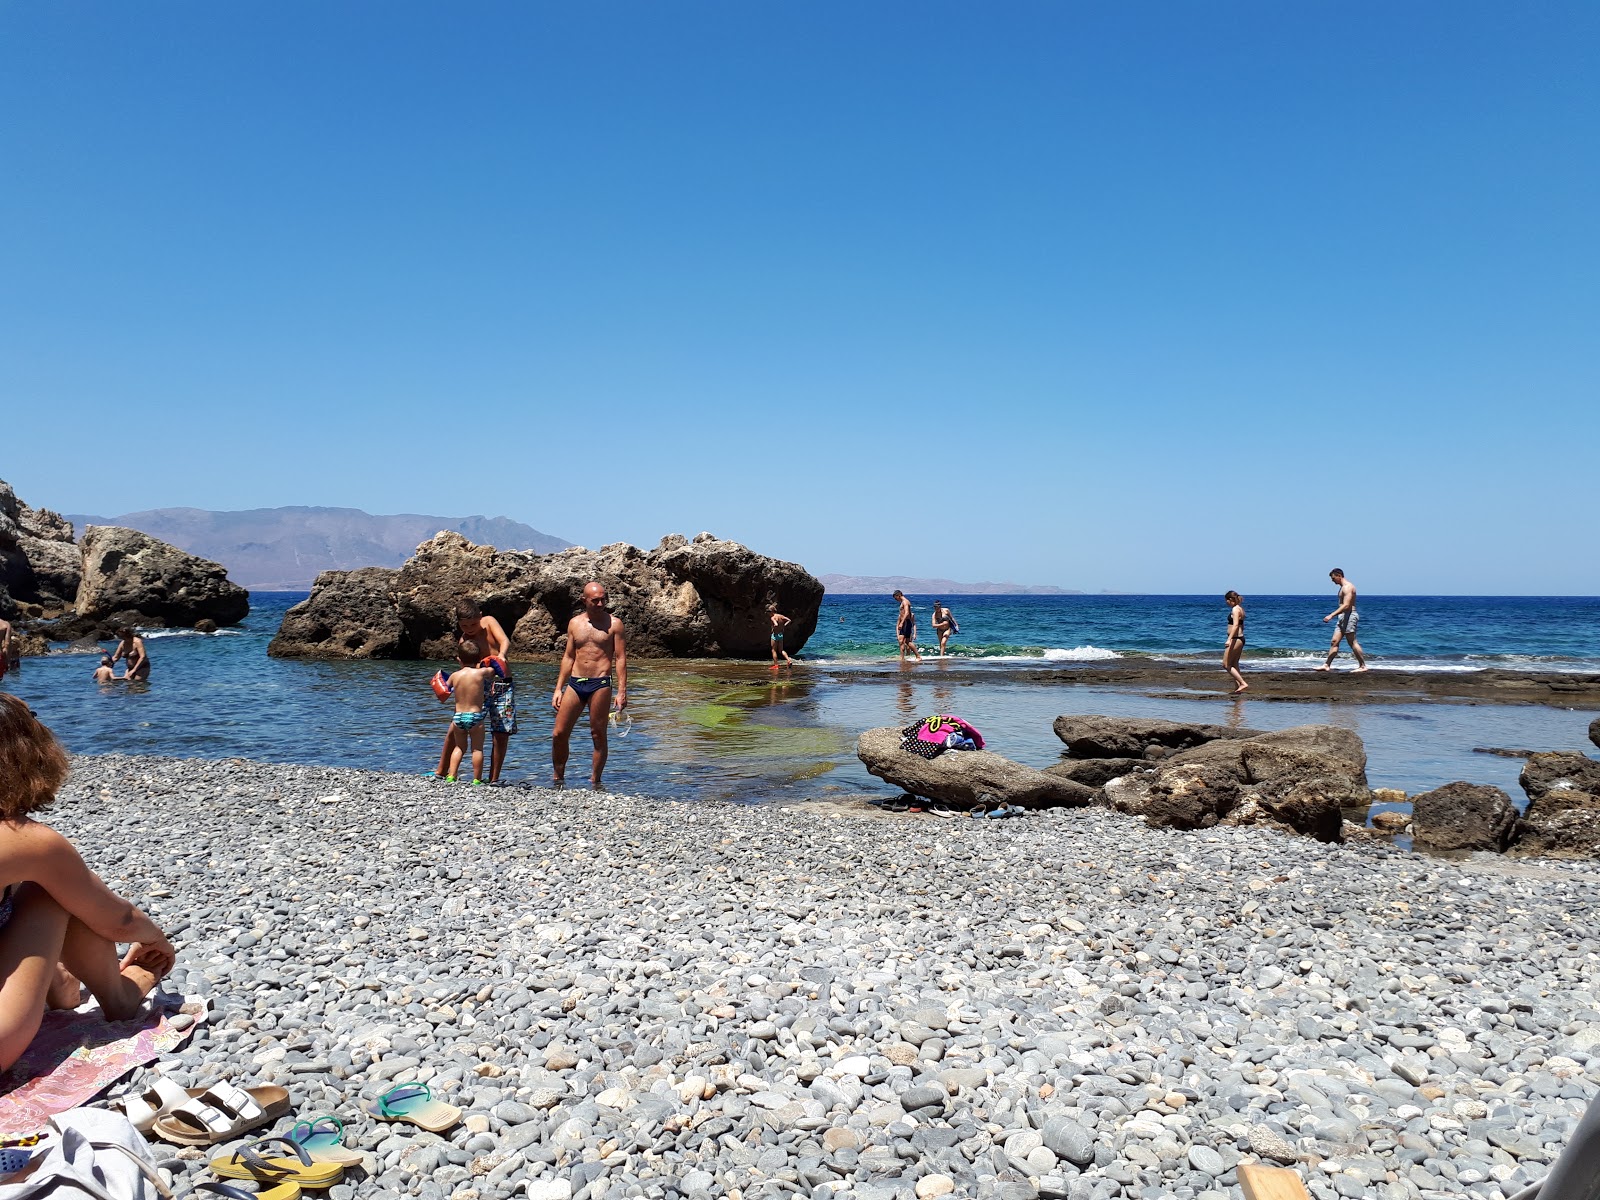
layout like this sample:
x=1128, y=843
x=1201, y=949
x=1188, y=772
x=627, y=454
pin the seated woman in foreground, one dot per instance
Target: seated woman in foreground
x=59, y=923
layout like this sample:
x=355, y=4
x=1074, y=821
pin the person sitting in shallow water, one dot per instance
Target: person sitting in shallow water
x=59, y=922
x=104, y=672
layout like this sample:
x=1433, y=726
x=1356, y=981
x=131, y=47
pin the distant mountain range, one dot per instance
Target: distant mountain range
x=857, y=585
x=284, y=549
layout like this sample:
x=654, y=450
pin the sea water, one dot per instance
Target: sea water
x=1430, y=633
x=726, y=730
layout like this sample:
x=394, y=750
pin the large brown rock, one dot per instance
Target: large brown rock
x=1191, y=797
x=1301, y=779
x=1463, y=816
x=1132, y=737
x=350, y=614
x=131, y=576
x=1563, y=823
x=705, y=599
x=1544, y=773
x=1594, y=731
x=960, y=777
x=1300, y=752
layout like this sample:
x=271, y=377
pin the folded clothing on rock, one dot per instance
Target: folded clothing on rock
x=930, y=737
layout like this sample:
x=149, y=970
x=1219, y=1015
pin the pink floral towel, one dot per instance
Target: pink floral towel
x=76, y=1055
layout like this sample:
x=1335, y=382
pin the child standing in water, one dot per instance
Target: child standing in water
x=469, y=687
x=779, y=624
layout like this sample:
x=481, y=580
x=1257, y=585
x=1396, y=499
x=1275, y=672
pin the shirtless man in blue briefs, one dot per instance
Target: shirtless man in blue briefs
x=595, y=649
x=1347, y=617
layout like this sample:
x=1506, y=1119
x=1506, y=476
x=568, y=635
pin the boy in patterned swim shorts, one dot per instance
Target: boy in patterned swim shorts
x=472, y=623
x=469, y=687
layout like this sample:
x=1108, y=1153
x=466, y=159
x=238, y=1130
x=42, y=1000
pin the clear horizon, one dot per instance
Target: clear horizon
x=1112, y=299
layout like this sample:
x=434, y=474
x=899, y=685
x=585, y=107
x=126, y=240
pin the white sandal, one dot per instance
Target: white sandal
x=222, y=1112
x=160, y=1098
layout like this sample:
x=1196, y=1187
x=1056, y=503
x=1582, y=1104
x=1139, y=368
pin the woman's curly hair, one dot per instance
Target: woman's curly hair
x=32, y=763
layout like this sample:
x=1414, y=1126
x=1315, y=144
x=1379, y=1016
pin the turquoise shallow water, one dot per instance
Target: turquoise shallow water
x=728, y=730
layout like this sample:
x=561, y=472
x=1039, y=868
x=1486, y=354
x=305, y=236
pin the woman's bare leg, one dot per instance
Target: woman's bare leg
x=30, y=948
x=92, y=959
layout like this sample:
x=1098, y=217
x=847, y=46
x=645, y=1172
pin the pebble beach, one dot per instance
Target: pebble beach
x=640, y=998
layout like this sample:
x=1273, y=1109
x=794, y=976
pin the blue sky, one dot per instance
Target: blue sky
x=1147, y=297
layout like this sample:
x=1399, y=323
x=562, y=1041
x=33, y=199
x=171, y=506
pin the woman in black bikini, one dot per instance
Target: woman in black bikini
x=1235, y=646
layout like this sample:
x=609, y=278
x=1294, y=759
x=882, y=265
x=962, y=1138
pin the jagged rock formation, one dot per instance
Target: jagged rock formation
x=1563, y=813
x=61, y=589
x=1195, y=776
x=705, y=598
x=128, y=572
x=39, y=563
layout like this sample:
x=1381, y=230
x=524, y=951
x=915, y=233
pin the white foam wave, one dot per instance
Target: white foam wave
x=1075, y=654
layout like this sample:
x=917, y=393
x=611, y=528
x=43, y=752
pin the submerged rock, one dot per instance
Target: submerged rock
x=705, y=598
x=1463, y=816
x=960, y=777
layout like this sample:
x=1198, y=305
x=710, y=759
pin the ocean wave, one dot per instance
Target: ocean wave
x=150, y=635
x=1075, y=654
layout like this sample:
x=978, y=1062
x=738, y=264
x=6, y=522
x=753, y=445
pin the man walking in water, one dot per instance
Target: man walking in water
x=1347, y=618
x=905, y=627
x=595, y=648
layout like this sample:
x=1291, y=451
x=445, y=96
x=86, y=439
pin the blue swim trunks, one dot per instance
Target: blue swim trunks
x=467, y=721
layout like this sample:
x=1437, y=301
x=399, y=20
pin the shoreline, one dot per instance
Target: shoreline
x=1159, y=680
x=628, y=996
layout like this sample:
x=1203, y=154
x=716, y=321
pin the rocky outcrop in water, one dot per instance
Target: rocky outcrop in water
x=1563, y=813
x=1136, y=737
x=1463, y=816
x=1594, y=731
x=63, y=590
x=704, y=598
x=1301, y=778
x=39, y=563
x=961, y=777
x=130, y=576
